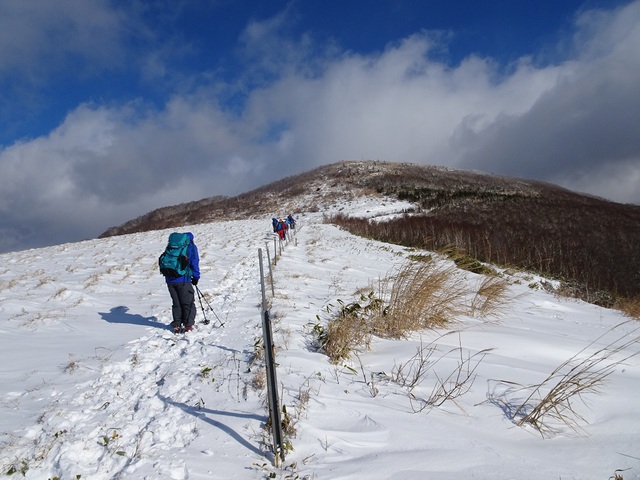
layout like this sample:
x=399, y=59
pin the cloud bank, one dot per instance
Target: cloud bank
x=297, y=105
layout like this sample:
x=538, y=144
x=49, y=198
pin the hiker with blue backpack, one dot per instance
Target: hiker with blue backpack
x=180, y=265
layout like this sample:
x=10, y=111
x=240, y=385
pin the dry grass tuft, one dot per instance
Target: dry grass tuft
x=491, y=297
x=259, y=380
x=425, y=294
x=629, y=306
x=422, y=294
x=344, y=333
x=568, y=383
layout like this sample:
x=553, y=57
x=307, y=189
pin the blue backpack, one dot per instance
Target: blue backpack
x=174, y=261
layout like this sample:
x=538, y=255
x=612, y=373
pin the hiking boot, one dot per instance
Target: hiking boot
x=188, y=329
x=176, y=329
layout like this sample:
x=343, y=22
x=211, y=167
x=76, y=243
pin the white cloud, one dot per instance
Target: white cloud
x=103, y=166
x=398, y=105
x=585, y=124
x=574, y=122
x=543, y=122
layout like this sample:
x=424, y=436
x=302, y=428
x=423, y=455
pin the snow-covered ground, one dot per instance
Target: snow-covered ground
x=94, y=386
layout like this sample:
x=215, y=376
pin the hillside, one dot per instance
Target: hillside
x=95, y=386
x=434, y=187
x=593, y=245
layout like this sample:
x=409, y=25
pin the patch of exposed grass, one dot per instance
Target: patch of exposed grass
x=491, y=297
x=419, y=295
x=349, y=330
x=629, y=306
x=425, y=294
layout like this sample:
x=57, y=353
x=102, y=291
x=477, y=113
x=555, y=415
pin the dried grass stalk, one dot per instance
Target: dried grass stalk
x=422, y=295
x=570, y=382
x=630, y=306
x=343, y=335
x=491, y=297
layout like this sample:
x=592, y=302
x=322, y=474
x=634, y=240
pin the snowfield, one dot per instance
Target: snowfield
x=95, y=386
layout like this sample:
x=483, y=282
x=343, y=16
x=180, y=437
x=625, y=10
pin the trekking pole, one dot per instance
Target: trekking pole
x=200, y=297
x=206, y=320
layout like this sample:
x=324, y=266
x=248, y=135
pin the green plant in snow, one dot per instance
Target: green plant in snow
x=111, y=440
x=21, y=466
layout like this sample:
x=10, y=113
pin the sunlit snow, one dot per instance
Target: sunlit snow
x=93, y=383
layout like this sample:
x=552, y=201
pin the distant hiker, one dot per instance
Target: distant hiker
x=180, y=265
x=291, y=221
x=274, y=221
x=281, y=229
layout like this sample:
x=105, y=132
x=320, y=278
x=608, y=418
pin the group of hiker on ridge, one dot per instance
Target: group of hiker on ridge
x=281, y=226
x=180, y=265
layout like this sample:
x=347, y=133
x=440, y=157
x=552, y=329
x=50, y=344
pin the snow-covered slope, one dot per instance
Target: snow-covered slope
x=93, y=384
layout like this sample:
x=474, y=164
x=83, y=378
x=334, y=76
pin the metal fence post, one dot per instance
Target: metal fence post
x=275, y=251
x=272, y=380
x=273, y=292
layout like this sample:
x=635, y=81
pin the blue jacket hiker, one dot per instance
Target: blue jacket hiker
x=182, y=291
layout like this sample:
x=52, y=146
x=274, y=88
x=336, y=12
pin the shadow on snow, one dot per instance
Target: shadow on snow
x=201, y=413
x=119, y=315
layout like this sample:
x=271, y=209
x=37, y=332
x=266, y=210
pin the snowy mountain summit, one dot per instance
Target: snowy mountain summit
x=95, y=385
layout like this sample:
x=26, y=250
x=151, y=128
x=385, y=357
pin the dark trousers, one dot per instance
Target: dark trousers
x=184, y=305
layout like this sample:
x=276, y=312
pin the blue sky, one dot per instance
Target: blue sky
x=110, y=109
